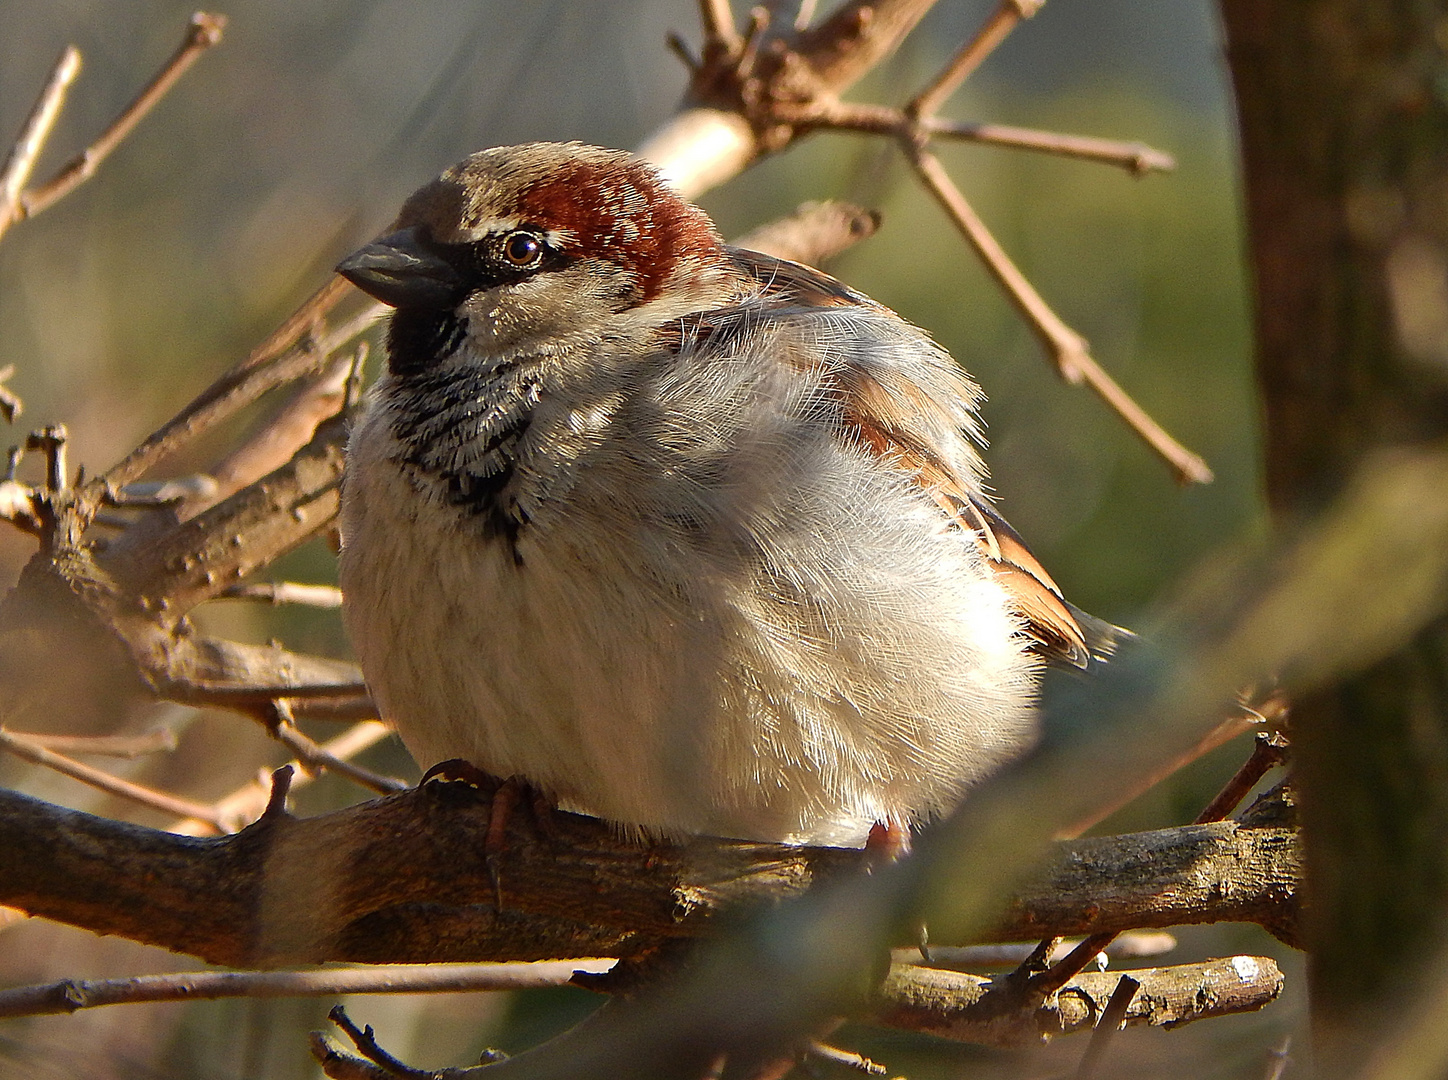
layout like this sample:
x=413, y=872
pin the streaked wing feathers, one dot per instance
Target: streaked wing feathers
x=894, y=418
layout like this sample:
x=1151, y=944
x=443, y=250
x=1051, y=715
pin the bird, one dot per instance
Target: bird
x=683, y=536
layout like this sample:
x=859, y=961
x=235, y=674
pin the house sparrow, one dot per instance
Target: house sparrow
x=687, y=537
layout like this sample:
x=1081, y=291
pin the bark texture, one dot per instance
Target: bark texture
x=405, y=878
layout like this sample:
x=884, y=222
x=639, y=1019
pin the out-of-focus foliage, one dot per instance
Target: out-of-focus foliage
x=299, y=136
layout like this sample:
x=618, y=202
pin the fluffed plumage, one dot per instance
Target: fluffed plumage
x=688, y=537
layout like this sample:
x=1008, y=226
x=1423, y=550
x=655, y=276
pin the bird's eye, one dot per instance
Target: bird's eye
x=522, y=248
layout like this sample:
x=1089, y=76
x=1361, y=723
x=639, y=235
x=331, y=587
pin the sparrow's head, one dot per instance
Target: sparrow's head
x=526, y=248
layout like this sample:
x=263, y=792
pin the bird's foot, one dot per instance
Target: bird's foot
x=505, y=799
x=889, y=841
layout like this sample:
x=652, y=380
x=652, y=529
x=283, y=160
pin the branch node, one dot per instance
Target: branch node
x=51, y=441
x=276, y=804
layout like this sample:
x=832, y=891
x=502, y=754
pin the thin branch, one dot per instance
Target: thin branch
x=1001, y=22
x=1072, y=964
x=1112, y=1019
x=176, y=568
x=203, y=31
x=157, y=741
x=319, y=399
x=22, y=748
x=286, y=592
x=848, y=1059
x=1135, y=157
x=958, y=1006
x=1131, y=945
x=365, y=1041
x=10, y=404
x=72, y=995
x=51, y=441
x=33, y=135
x=717, y=18
x=852, y=39
x=316, y=758
x=1223, y=733
x=1068, y=347
x=1269, y=750
x=289, y=353
x=154, y=494
x=245, y=805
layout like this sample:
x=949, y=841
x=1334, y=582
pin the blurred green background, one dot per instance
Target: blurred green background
x=297, y=139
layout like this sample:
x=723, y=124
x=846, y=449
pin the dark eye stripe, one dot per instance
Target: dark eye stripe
x=501, y=259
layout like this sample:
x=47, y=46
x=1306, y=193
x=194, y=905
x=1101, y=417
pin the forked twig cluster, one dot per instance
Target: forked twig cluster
x=766, y=79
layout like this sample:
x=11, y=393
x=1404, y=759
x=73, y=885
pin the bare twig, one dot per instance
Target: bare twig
x=22, y=748
x=289, y=353
x=1112, y=1019
x=1133, y=944
x=202, y=33
x=317, y=400
x=151, y=494
x=338, y=1064
x=51, y=440
x=245, y=805
x=287, y=592
x=1000, y=23
x=33, y=135
x=959, y=1006
x=849, y=1059
x=312, y=757
x=364, y=1039
x=717, y=18
x=1068, y=347
x=1136, y=157
x=156, y=741
x=10, y=404
x=855, y=37
x=1269, y=750
x=1223, y=733
x=70, y=995
x=814, y=233
x=1064, y=970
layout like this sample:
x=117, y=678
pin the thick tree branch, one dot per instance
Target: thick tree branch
x=405, y=878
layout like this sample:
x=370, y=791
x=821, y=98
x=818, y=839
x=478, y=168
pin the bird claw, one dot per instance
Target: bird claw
x=505, y=796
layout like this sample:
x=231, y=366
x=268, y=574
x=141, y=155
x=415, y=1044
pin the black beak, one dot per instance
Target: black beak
x=402, y=269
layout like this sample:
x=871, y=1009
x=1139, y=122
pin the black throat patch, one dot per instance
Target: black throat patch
x=457, y=424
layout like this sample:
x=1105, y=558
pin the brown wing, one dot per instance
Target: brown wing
x=885, y=428
x=893, y=422
x=796, y=283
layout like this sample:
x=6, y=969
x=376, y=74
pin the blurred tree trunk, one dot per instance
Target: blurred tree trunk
x=1343, y=106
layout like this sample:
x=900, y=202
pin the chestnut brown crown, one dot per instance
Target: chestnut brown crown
x=506, y=214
